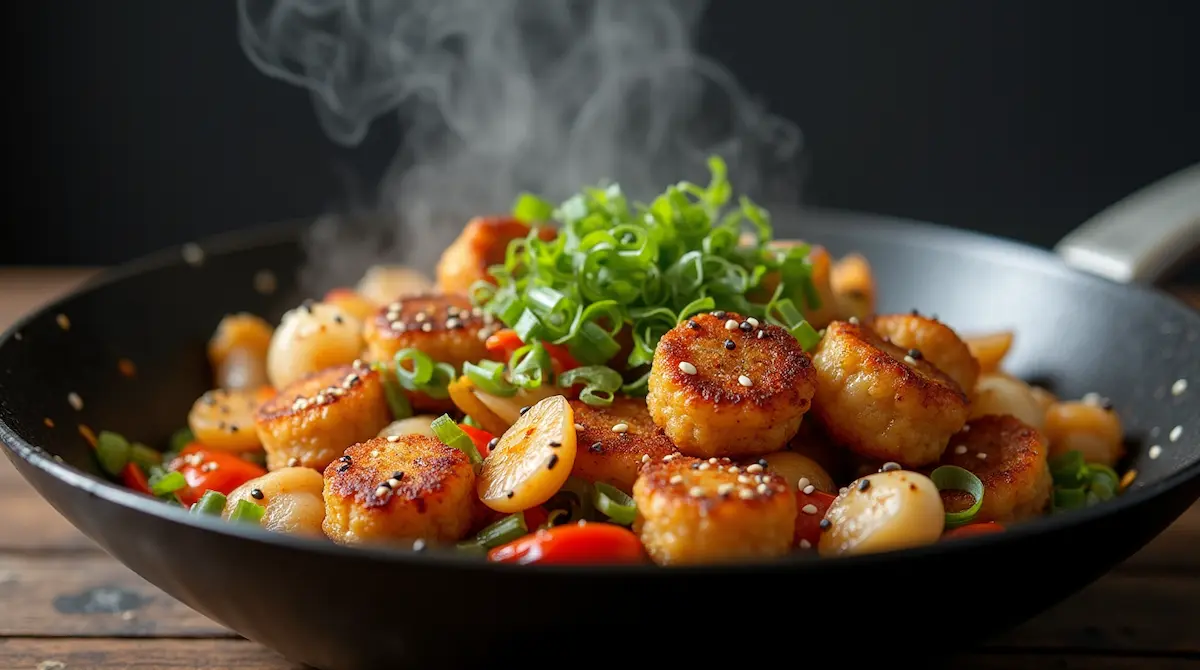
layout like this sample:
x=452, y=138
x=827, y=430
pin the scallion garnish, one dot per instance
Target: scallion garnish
x=452, y=436
x=397, y=401
x=614, y=503
x=954, y=478
x=530, y=365
x=488, y=376
x=574, y=499
x=212, y=502
x=531, y=209
x=601, y=383
x=166, y=483
x=112, y=450
x=248, y=512
x=426, y=376
x=501, y=532
x=1078, y=483
x=144, y=456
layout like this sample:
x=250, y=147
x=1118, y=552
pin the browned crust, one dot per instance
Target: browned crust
x=357, y=475
x=593, y=426
x=1012, y=447
x=321, y=388
x=429, y=315
x=925, y=333
x=884, y=358
x=782, y=368
x=656, y=479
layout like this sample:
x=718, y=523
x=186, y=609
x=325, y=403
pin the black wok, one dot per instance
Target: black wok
x=333, y=607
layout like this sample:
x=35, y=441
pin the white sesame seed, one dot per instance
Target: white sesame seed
x=713, y=461
x=418, y=544
x=393, y=482
x=762, y=489
x=890, y=466
x=687, y=368
x=670, y=457
x=293, y=462
x=75, y=401
x=645, y=458
x=734, y=469
x=453, y=323
x=725, y=489
x=265, y=282
x=192, y=254
x=910, y=360
x=426, y=327
x=808, y=490
x=754, y=468
x=752, y=321
x=1155, y=431
x=809, y=509
x=374, y=453
x=420, y=317
x=966, y=428
x=745, y=494
x=579, y=426
x=676, y=479
x=805, y=544
x=745, y=381
x=483, y=335
x=981, y=456
x=843, y=491
x=1092, y=398
x=381, y=491
x=960, y=449
x=703, y=466
x=63, y=321
x=731, y=325
x=1175, y=433
x=393, y=438
x=743, y=479
x=1155, y=452
x=803, y=482
x=761, y=334
x=18, y=336
x=620, y=427
x=1178, y=387
x=696, y=492
x=853, y=320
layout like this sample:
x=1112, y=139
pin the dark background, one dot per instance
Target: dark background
x=140, y=123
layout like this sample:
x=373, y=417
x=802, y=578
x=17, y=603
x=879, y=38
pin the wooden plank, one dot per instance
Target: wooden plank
x=68, y=654
x=31, y=524
x=26, y=289
x=90, y=595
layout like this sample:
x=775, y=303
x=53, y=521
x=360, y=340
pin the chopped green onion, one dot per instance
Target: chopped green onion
x=601, y=383
x=531, y=209
x=501, y=532
x=575, y=499
x=954, y=478
x=556, y=517
x=1069, y=470
x=1078, y=483
x=638, y=387
x=112, y=450
x=180, y=439
x=246, y=511
x=1069, y=499
x=452, y=436
x=488, y=376
x=167, y=483
x=144, y=456
x=783, y=312
x=530, y=366
x=397, y=401
x=212, y=502
x=614, y=503
x=695, y=306
x=426, y=376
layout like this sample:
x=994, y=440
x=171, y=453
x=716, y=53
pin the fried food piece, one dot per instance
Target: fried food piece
x=224, y=420
x=853, y=287
x=933, y=341
x=482, y=243
x=1093, y=430
x=1009, y=457
x=237, y=351
x=381, y=284
x=291, y=496
x=604, y=455
x=874, y=399
x=311, y=421
x=312, y=337
x=714, y=400
x=990, y=349
x=999, y=394
x=800, y=471
x=886, y=511
x=442, y=326
x=692, y=510
x=397, y=490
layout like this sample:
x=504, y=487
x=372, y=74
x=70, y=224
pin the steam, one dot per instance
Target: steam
x=496, y=97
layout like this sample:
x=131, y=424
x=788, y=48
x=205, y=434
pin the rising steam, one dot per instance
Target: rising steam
x=501, y=96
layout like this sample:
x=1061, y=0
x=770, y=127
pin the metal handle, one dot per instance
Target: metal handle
x=1144, y=235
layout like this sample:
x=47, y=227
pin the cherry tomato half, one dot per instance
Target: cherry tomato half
x=480, y=437
x=973, y=529
x=207, y=469
x=573, y=544
x=133, y=477
x=808, y=526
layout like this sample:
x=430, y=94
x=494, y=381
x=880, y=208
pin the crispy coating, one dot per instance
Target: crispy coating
x=935, y=341
x=602, y=455
x=692, y=511
x=1014, y=471
x=443, y=326
x=482, y=243
x=873, y=401
x=698, y=389
x=311, y=421
x=397, y=490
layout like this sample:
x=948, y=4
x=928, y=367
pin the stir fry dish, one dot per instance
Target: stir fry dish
x=605, y=381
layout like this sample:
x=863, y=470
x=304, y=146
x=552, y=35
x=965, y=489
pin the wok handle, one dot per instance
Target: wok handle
x=1140, y=238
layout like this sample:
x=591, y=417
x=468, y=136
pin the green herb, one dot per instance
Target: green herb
x=601, y=383
x=144, y=456
x=530, y=365
x=532, y=209
x=488, y=376
x=397, y=402
x=954, y=478
x=614, y=503
x=501, y=532
x=212, y=503
x=166, y=483
x=452, y=436
x=426, y=376
x=574, y=501
x=248, y=512
x=1078, y=483
x=112, y=450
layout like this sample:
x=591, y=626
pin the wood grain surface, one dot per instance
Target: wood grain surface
x=68, y=605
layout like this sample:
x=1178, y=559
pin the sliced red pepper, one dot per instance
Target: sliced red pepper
x=206, y=469
x=973, y=529
x=133, y=477
x=535, y=517
x=808, y=526
x=573, y=544
x=504, y=343
x=480, y=437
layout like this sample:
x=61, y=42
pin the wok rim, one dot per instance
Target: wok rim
x=1013, y=254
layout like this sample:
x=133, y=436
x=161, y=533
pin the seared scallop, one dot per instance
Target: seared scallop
x=311, y=421
x=875, y=399
x=291, y=498
x=237, y=351
x=1009, y=457
x=613, y=442
x=693, y=510
x=399, y=490
x=224, y=419
x=482, y=244
x=886, y=511
x=442, y=326
x=724, y=385
x=309, y=338
x=933, y=341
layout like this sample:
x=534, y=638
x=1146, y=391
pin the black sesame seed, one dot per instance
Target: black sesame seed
x=596, y=447
x=915, y=312
x=825, y=524
x=554, y=444
x=864, y=484
x=345, y=457
x=763, y=462
x=695, y=466
x=233, y=428
x=492, y=443
x=385, y=485
x=524, y=409
x=745, y=326
x=397, y=475
x=915, y=353
x=719, y=314
x=552, y=462
x=337, y=318
x=729, y=345
x=257, y=494
x=344, y=467
x=510, y=494
x=1106, y=404
x=692, y=324
x=307, y=305
x=934, y=317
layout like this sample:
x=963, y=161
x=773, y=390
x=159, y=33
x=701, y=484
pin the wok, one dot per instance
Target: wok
x=1083, y=325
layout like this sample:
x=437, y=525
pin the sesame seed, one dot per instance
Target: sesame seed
x=374, y=453
x=18, y=336
x=752, y=321
x=725, y=489
x=703, y=466
x=745, y=494
x=761, y=334
x=75, y=401
x=696, y=492
x=620, y=427
x=825, y=524
x=890, y=466
x=420, y=317
x=675, y=479
x=914, y=353
x=1175, y=433
x=426, y=327
x=1091, y=398
x=714, y=460
x=393, y=483
x=257, y=494
x=745, y=381
x=554, y=444
x=719, y=314
x=1128, y=478
x=805, y=544
x=743, y=479
x=960, y=449
x=523, y=410
x=579, y=426
x=808, y=490
x=670, y=457
x=734, y=469
x=731, y=325
x=745, y=326
x=1155, y=452
x=1179, y=387
x=482, y=335
x=492, y=443
x=293, y=462
x=730, y=345
x=63, y=321
x=687, y=368
x=864, y=484
x=853, y=320
x=418, y=545
x=981, y=456
x=803, y=482
x=192, y=254
x=966, y=428
x=910, y=360
x=754, y=468
x=509, y=494
x=596, y=447
x=209, y=467
x=552, y=462
x=692, y=324
x=453, y=323
x=393, y=438
x=809, y=509
x=645, y=458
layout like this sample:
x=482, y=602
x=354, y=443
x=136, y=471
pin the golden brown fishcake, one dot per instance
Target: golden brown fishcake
x=881, y=403
x=725, y=385
x=693, y=510
x=605, y=455
x=311, y=421
x=482, y=244
x=1010, y=458
x=933, y=341
x=398, y=490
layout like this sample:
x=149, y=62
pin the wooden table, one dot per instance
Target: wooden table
x=66, y=604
